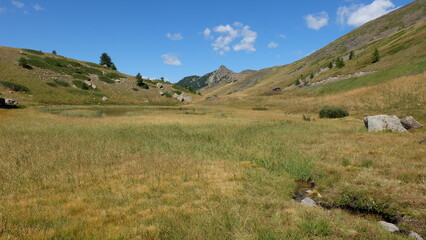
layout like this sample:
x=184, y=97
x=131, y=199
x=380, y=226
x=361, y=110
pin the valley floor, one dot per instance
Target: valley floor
x=201, y=173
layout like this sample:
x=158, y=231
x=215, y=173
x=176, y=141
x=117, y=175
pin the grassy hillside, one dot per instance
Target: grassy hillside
x=399, y=38
x=50, y=79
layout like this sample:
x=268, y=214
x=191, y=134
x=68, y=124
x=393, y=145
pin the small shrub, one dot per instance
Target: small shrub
x=51, y=84
x=81, y=84
x=23, y=62
x=333, y=112
x=376, y=56
x=15, y=87
x=346, y=162
x=178, y=92
x=135, y=89
x=260, y=108
x=61, y=83
x=167, y=94
x=339, y=62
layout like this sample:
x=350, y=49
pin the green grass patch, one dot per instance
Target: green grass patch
x=61, y=82
x=33, y=51
x=106, y=79
x=16, y=87
x=114, y=75
x=50, y=84
x=260, y=108
x=367, y=80
x=81, y=84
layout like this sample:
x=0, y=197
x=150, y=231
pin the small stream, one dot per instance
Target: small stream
x=308, y=188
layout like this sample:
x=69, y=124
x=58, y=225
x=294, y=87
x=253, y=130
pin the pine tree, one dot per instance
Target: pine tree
x=351, y=55
x=339, y=62
x=330, y=65
x=376, y=56
x=106, y=60
x=54, y=52
x=113, y=67
x=139, y=80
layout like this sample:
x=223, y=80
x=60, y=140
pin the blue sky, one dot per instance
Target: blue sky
x=174, y=39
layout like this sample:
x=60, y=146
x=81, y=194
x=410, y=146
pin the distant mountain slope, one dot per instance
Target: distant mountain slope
x=399, y=37
x=221, y=75
x=34, y=77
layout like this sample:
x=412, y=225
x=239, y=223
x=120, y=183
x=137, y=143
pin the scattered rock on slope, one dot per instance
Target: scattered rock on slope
x=7, y=102
x=389, y=226
x=383, y=122
x=409, y=122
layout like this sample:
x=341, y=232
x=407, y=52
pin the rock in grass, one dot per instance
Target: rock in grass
x=307, y=201
x=383, y=122
x=159, y=85
x=389, y=226
x=409, y=122
x=415, y=235
x=104, y=98
x=423, y=140
x=7, y=102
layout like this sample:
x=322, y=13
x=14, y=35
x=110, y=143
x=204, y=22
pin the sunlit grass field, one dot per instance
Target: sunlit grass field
x=202, y=173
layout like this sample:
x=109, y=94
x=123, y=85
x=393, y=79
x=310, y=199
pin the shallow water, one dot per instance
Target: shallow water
x=112, y=111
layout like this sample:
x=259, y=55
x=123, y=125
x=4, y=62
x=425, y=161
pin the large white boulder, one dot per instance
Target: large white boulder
x=383, y=122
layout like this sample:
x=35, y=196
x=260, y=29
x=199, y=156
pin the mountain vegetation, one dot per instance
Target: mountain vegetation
x=92, y=153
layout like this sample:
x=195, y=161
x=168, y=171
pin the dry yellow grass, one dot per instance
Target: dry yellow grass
x=227, y=174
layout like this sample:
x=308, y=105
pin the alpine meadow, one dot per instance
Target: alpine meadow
x=330, y=145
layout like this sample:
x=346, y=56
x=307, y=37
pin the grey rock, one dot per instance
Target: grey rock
x=187, y=99
x=409, y=122
x=175, y=95
x=415, y=235
x=383, y=122
x=94, y=86
x=181, y=97
x=389, y=226
x=423, y=140
x=145, y=100
x=7, y=102
x=87, y=82
x=161, y=93
x=307, y=201
x=104, y=98
x=160, y=85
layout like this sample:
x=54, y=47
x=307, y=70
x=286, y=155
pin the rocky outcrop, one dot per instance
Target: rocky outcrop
x=222, y=75
x=182, y=97
x=383, y=122
x=160, y=85
x=7, y=102
x=409, y=122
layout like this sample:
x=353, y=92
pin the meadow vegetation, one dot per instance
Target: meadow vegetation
x=159, y=173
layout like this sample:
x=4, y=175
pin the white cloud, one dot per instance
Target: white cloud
x=282, y=36
x=171, y=59
x=18, y=4
x=37, y=7
x=207, y=33
x=272, y=45
x=225, y=35
x=357, y=15
x=174, y=36
x=317, y=21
